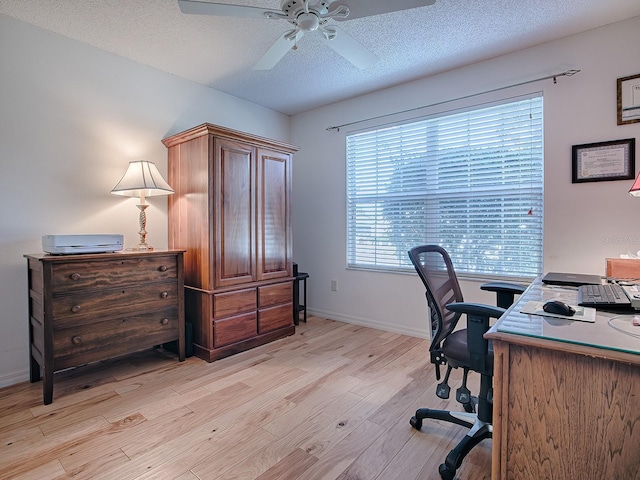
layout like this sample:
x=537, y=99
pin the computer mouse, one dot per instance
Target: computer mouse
x=558, y=307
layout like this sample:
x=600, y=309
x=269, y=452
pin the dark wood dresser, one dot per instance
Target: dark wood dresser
x=90, y=307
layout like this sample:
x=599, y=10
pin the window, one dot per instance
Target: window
x=470, y=181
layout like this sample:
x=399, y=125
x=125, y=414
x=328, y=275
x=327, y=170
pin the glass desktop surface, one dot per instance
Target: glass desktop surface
x=611, y=330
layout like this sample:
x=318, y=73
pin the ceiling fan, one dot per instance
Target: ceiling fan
x=308, y=16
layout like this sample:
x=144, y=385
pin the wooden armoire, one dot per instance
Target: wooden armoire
x=231, y=213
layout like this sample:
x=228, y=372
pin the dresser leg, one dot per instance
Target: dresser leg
x=34, y=370
x=181, y=346
x=47, y=386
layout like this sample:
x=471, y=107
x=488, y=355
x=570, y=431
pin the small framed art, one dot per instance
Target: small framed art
x=629, y=99
x=596, y=162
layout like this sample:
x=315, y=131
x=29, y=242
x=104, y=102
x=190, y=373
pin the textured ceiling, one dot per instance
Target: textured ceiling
x=220, y=51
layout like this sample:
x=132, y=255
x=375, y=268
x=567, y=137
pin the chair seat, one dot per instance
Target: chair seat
x=455, y=349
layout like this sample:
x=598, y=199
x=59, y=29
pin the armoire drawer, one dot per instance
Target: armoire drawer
x=277, y=294
x=234, y=329
x=110, y=273
x=275, y=317
x=233, y=303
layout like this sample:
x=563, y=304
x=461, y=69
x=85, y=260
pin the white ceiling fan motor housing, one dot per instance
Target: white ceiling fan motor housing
x=308, y=22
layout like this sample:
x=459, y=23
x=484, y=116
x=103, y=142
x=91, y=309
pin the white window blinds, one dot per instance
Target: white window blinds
x=470, y=181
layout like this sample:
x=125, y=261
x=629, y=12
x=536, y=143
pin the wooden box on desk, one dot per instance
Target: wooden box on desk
x=623, y=268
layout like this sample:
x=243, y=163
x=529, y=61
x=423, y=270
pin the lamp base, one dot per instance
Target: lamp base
x=143, y=247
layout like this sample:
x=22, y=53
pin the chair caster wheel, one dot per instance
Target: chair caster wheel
x=445, y=473
x=416, y=423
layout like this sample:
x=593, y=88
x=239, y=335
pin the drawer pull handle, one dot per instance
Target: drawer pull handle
x=164, y=321
x=76, y=308
x=77, y=339
x=75, y=276
x=163, y=268
x=164, y=294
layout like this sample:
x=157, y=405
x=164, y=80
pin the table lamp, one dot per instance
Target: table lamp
x=142, y=179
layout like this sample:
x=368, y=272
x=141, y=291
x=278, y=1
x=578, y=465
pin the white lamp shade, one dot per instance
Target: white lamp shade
x=142, y=179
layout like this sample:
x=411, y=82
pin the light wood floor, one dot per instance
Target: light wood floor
x=331, y=402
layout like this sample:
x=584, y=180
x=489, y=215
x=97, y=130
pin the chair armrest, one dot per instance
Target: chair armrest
x=503, y=287
x=505, y=292
x=478, y=316
x=476, y=309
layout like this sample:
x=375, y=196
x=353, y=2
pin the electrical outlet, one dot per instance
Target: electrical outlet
x=334, y=285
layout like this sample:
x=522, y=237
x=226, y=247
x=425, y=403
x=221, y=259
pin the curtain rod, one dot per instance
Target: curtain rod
x=568, y=73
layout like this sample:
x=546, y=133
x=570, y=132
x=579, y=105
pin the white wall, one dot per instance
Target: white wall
x=577, y=110
x=71, y=118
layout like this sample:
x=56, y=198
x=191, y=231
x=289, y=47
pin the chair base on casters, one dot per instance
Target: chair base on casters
x=479, y=430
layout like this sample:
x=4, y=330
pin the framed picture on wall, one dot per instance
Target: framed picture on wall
x=629, y=99
x=596, y=162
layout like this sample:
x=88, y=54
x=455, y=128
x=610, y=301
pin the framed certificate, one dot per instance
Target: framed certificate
x=596, y=162
x=628, y=99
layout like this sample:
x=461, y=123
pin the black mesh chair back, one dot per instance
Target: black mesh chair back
x=435, y=269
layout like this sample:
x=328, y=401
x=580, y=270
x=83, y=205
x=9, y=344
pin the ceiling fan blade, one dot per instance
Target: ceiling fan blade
x=367, y=8
x=278, y=50
x=223, y=9
x=348, y=47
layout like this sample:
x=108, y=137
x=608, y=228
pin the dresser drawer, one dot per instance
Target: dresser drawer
x=275, y=294
x=144, y=329
x=110, y=273
x=232, y=303
x=234, y=329
x=88, y=306
x=275, y=317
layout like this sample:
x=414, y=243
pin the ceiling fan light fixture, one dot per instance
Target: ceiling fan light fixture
x=308, y=22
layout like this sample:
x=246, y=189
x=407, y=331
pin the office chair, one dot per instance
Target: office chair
x=466, y=349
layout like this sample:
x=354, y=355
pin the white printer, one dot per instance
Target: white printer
x=92, y=243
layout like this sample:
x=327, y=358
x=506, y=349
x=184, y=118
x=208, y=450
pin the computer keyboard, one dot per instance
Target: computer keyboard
x=609, y=295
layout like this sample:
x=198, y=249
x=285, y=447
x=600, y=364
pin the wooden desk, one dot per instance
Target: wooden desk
x=566, y=400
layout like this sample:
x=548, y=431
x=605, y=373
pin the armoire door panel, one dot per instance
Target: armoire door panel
x=189, y=210
x=274, y=240
x=233, y=212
